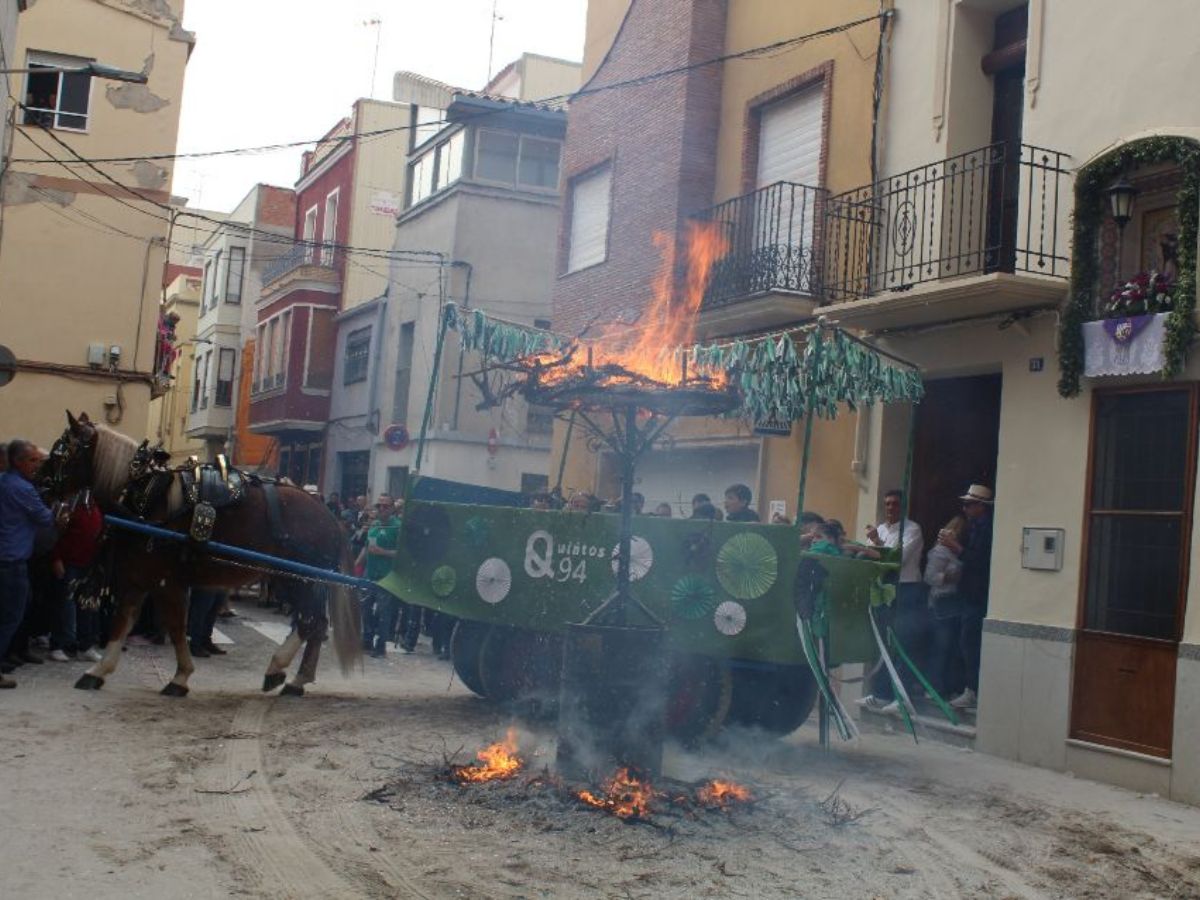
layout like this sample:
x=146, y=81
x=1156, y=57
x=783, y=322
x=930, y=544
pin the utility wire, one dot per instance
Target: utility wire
x=559, y=99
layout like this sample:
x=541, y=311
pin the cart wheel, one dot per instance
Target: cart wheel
x=699, y=692
x=465, y=643
x=523, y=668
x=777, y=699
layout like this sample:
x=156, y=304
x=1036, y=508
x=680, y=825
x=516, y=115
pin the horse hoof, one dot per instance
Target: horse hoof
x=88, y=682
x=292, y=690
x=174, y=690
x=273, y=680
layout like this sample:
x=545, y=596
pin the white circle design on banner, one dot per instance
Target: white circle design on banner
x=730, y=618
x=641, y=558
x=493, y=580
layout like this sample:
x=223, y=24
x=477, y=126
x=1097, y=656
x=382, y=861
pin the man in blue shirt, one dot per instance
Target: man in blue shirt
x=22, y=513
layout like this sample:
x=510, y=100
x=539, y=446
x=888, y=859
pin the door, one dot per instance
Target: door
x=1137, y=531
x=1006, y=65
x=955, y=445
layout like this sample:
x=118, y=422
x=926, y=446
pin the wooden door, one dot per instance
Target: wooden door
x=1137, y=531
x=1006, y=65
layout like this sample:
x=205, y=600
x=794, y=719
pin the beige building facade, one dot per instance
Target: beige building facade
x=1022, y=121
x=82, y=257
x=169, y=410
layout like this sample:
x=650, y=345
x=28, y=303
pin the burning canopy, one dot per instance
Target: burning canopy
x=782, y=376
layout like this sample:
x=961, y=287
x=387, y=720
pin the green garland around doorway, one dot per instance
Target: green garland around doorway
x=1091, y=208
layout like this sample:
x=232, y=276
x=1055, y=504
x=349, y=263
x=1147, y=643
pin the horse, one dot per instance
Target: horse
x=293, y=525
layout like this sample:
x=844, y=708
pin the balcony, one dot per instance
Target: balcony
x=769, y=274
x=980, y=229
x=304, y=262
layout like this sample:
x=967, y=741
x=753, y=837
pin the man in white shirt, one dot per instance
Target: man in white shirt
x=909, y=614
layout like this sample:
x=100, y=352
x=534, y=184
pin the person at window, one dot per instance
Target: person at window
x=540, y=500
x=908, y=615
x=737, y=504
x=975, y=554
x=700, y=500
x=22, y=513
x=823, y=538
x=663, y=510
x=707, y=511
x=382, y=540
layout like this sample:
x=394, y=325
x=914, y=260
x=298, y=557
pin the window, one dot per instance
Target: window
x=196, y=378
x=517, y=159
x=329, y=231
x=404, y=360
x=1138, y=512
x=450, y=157
x=590, y=198
x=206, y=288
x=212, y=284
x=234, y=272
x=428, y=122
x=261, y=355
x=310, y=234
x=437, y=168
x=397, y=479
x=358, y=354
x=225, y=362
x=354, y=469
x=539, y=419
x=314, y=464
x=205, y=366
x=421, y=176
x=57, y=99
x=532, y=482
x=538, y=165
x=282, y=346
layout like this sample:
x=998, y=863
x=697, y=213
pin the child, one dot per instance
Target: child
x=942, y=570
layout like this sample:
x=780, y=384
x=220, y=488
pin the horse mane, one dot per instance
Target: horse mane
x=110, y=464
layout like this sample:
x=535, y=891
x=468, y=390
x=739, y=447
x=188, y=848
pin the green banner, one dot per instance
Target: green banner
x=725, y=589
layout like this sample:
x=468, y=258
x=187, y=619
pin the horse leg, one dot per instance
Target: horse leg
x=173, y=607
x=280, y=660
x=126, y=615
x=307, y=673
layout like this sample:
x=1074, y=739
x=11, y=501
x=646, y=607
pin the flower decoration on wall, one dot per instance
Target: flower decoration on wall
x=1144, y=294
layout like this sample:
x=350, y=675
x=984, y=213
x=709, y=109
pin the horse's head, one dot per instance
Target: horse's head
x=68, y=468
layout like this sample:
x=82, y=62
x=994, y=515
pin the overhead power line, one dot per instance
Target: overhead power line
x=586, y=91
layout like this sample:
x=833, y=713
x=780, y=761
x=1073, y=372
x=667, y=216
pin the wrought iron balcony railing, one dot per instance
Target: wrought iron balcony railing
x=995, y=209
x=773, y=237
x=301, y=255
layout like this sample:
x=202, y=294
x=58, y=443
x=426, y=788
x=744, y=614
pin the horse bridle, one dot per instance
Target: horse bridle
x=68, y=467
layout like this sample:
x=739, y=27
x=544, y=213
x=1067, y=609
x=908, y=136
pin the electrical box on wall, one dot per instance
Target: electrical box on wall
x=1042, y=548
x=97, y=355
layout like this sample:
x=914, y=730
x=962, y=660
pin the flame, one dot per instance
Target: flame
x=646, y=349
x=722, y=793
x=624, y=795
x=496, y=762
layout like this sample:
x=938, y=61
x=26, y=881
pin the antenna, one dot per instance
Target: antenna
x=377, y=24
x=492, y=39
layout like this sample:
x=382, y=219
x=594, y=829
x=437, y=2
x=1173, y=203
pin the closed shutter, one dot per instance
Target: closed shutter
x=789, y=150
x=789, y=140
x=589, y=220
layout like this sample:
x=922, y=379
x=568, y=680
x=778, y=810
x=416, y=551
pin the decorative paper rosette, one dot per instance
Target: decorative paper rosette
x=443, y=581
x=641, y=558
x=730, y=618
x=477, y=530
x=493, y=580
x=747, y=566
x=693, y=597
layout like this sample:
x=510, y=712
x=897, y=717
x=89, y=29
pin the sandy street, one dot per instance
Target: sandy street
x=124, y=793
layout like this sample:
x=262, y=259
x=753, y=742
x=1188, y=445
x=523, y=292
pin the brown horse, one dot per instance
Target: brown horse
x=91, y=455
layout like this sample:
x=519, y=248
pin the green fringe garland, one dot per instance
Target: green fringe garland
x=1091, y=208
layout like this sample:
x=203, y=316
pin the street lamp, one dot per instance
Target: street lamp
x=1121, y=195
x=94, y=69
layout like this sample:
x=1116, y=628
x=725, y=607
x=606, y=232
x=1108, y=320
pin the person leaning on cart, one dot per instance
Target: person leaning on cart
x=382, y=539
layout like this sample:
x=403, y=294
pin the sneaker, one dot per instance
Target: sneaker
x=965, y=700
x=214, y=650
x=871, y=702
x=199, y=652
x=891, y=709
x=59, y=656
x=92, y=654
x=7, y=682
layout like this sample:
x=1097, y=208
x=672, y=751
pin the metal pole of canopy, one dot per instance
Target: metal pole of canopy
x=808, y=426
x=435, y=371
x=562, y=463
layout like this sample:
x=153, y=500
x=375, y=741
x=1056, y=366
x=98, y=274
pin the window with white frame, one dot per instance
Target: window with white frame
x=55, y=98
x=234, y=274
x=205, y=368
x=590, y=198
x=212, y=285
x=437, y=167
x=520, y=160
x=357, y=357
x=261, y=355
x=329, y=229
x=450, y=158
x=196, y=378
x=225, y=364
x=404, y=361
x=282, y=346
x=206, y=287
x=428, y=122
x=310, y=234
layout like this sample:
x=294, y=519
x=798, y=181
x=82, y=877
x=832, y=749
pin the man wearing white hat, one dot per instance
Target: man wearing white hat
x=975, y=555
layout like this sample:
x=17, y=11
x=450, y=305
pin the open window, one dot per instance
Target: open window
x=55, y=97
x=225, y=363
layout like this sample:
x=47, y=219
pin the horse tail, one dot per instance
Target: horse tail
x=345, y=616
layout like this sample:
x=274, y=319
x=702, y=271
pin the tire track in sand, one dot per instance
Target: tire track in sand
x=264, y=842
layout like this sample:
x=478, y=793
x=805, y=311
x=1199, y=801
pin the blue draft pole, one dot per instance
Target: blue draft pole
x=219, y=549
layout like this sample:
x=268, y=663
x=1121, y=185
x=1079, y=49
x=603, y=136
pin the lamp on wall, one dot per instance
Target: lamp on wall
x=1121, y=195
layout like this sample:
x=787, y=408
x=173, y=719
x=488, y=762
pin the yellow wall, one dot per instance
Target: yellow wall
x=67, y=280
x=168, y=413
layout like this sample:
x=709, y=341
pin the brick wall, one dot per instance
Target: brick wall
x=660, y=139
x=276, y=206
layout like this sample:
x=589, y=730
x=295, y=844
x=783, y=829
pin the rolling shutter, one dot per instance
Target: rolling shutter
x=590, y=197
x=789, y=139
